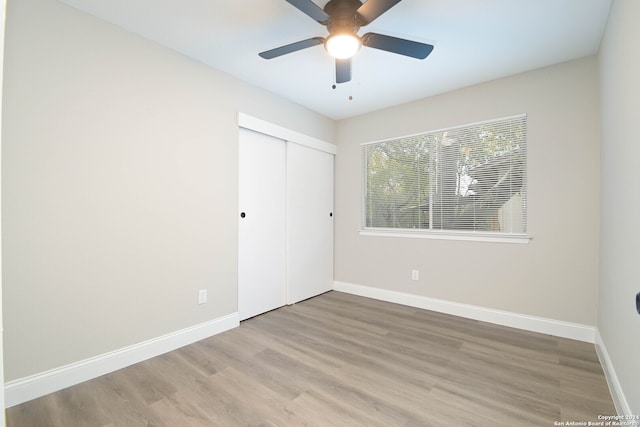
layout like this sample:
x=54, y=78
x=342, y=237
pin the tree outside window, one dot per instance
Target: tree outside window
x=467, y=178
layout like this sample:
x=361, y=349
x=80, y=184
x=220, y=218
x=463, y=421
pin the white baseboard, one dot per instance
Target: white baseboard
x=34, y=386
x=542, y=325
x=619, y=399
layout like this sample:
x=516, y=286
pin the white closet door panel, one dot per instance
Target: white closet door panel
x=309, y=222
x=262, y=231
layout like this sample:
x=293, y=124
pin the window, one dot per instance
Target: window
x=469, y=179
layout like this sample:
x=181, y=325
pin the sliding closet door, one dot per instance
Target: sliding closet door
x=262, y=227
x=309, y=222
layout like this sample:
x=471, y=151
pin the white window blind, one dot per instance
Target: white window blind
x=470, y=178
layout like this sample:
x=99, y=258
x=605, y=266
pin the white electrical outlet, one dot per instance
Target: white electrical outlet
x=415, y=274
x=202, y=296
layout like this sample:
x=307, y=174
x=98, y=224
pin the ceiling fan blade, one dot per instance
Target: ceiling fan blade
x=372, y=9
x=343, y=70
x=310, y=9
x=395, y=45
x=293, y=47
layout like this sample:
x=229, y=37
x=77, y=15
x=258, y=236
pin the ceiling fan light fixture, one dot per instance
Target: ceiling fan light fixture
x=343, y=46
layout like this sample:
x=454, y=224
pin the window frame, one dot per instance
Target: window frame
x=425, y=233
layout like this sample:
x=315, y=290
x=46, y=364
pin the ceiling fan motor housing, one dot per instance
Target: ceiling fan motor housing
x=343, y=16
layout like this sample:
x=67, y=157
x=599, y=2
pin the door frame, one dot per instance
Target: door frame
x=252, y=123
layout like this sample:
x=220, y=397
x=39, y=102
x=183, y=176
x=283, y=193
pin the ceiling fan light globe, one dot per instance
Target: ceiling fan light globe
x=343, y=46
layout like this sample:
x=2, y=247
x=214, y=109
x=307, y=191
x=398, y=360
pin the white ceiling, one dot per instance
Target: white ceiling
x=475, y=41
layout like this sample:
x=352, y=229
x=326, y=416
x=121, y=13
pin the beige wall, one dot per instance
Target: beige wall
x=3, y=5
x=618, y=321
x=555, y=275
x=119, y=186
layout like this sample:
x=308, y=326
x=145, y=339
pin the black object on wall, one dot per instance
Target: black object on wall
x=638, y=302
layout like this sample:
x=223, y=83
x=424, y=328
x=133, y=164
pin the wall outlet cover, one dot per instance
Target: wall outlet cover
x=202, y=296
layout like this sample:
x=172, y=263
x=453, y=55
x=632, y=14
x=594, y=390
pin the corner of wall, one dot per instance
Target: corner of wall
x=615, y=388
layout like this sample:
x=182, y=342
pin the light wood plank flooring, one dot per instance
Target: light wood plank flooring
x=343, y=360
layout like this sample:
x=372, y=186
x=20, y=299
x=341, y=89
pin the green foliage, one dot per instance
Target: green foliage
x=398, y=181
x=406, y=179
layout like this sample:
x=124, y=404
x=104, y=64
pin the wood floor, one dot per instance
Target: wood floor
x=343, y=360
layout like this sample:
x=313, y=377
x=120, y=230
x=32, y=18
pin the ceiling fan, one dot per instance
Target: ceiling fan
x=343, y=19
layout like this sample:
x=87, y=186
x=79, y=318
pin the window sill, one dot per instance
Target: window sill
x=448, y=235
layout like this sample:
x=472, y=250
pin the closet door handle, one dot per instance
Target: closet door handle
x=242, y=214
x=330, y=213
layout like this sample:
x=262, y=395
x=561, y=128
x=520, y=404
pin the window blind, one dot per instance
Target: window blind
x=470, y=178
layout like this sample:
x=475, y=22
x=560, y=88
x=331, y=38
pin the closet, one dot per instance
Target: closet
x=285, y=246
